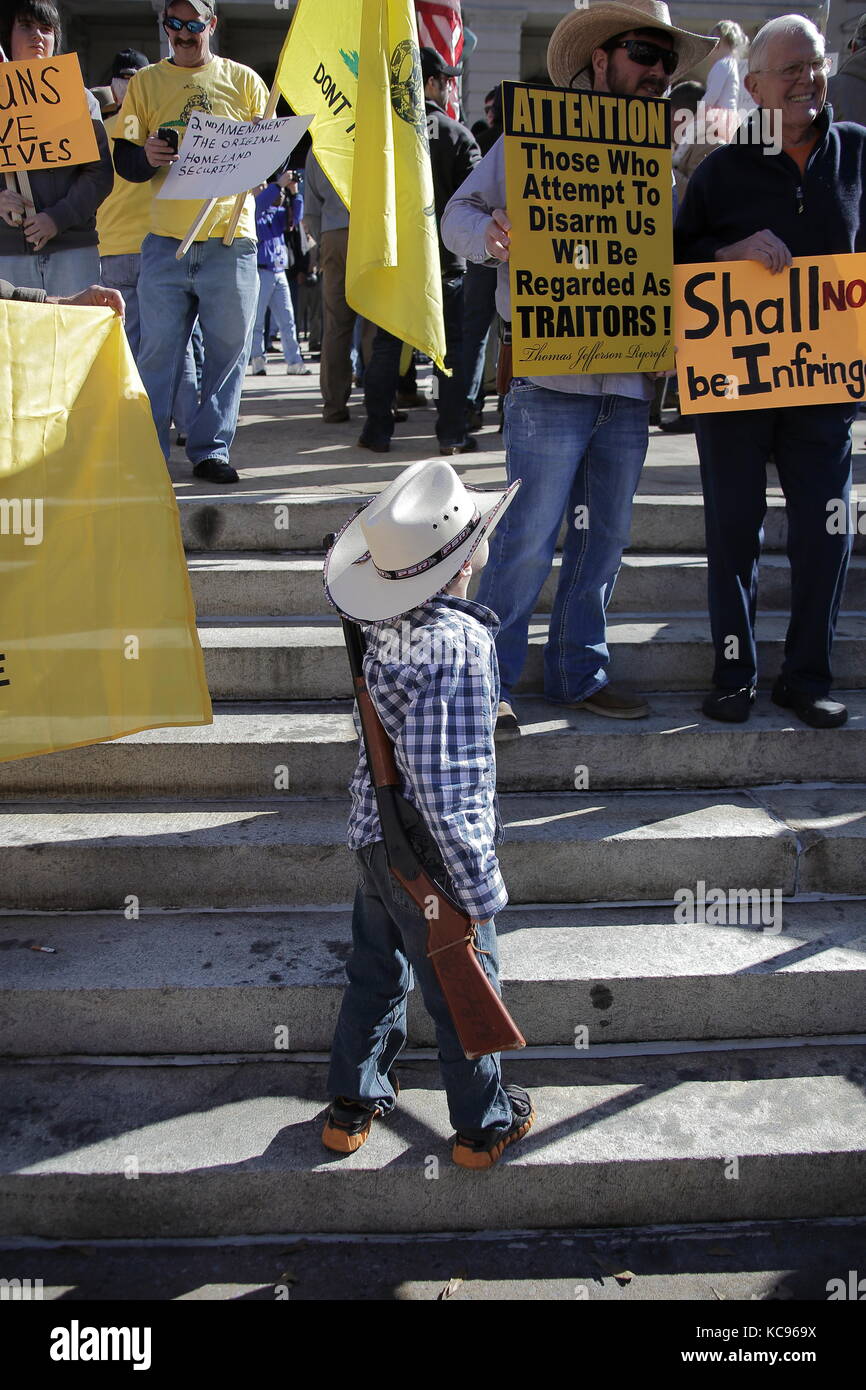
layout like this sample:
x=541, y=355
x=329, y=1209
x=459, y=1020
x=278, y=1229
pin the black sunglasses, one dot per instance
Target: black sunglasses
x=647, y=54
x=195, y=26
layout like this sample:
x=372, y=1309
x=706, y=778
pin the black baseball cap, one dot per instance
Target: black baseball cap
x=433, y=66
x=128, y=61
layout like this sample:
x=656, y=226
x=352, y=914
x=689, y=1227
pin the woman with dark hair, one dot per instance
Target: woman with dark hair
x=51, y=244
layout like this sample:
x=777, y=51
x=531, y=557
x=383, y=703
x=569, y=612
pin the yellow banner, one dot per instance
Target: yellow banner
x=44, y=118
x=393, y=273
x=318, y=73
x=97, y=624
x=588, y=182
x=751, y=340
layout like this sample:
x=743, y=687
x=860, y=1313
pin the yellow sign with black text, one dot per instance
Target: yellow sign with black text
x=751, y=340
x=588, y=183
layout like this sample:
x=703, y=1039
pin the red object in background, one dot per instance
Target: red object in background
x=440, y=26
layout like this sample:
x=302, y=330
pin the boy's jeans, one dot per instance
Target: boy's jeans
x=389, y=935
x=221, y=285
x=572, y=451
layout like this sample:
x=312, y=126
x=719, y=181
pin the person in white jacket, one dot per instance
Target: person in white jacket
x=725, y=91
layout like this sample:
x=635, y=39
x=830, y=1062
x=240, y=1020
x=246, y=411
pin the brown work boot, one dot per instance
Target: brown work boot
x=614, y=703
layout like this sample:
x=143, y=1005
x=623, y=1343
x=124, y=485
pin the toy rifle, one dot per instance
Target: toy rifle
x=481, y=1019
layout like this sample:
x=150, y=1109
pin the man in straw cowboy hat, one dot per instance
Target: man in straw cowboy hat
x=401, y=569
x=575, y=440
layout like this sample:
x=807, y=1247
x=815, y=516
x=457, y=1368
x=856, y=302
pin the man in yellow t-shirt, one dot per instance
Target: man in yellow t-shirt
x=218, y=283
x=123, y=219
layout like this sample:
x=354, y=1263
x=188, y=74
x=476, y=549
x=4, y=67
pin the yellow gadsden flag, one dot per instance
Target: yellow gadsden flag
x=318, y=73
x=357, y=67
x=97, y=625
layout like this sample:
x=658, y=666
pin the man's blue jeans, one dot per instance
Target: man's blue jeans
x=221, y=285
x=579, y=456
x=121, y=273
x=57, y=272
x=389, y=941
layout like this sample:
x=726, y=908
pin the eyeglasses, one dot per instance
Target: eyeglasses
x=792, y=72
x=647, y=54
x=195, y=26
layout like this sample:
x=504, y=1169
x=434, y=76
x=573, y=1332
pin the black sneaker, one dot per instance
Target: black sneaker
x=730, y=706
x=348, y=1123
x=180, y=440
x=469, y=445
x=382, y=447
x=216, y=471
x=817, y=710
x=483, y=1153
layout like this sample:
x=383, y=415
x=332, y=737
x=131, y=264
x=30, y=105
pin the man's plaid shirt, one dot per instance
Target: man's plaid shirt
x=434, y=681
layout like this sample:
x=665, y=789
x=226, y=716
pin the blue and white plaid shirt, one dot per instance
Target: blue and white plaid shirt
x=434, y=681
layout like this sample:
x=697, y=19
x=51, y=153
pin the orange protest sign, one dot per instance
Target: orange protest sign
x=44, y=117
x=750, y=340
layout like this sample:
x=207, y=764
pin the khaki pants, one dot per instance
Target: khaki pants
x=338, y=322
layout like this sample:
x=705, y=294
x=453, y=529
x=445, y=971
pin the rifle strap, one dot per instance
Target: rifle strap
x=470, y=937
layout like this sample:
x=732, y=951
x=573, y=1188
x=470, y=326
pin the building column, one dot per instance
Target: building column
x=497, y=57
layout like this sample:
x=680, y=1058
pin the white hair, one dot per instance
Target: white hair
x=781, y=26
x=730, y=33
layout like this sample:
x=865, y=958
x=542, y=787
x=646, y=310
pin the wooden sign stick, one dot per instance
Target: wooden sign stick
x=237, y=210
x=201, y=217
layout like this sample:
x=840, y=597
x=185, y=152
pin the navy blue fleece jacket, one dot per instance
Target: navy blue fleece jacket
x=739, y=189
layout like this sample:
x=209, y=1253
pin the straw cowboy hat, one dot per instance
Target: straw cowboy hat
x=579, y=33
x=409, y=542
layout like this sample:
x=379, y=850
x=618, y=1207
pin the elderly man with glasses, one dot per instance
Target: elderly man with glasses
x=217, y=283
x=746, y=202
x=576, y=440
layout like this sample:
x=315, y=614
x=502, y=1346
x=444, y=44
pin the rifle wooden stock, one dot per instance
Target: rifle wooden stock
x=481, y=1019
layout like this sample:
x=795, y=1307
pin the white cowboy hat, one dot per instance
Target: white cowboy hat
x=579, y=33
x=409, y=542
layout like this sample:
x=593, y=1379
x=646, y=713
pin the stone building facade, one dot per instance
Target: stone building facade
x=512, y=34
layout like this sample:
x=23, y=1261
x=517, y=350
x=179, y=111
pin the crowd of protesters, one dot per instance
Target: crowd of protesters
x=197, y=323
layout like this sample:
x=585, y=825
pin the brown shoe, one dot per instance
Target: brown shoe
x=614, y=703
x=506, y=719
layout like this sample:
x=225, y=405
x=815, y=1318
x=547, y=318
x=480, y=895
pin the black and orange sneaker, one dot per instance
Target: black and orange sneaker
x=348, y=1124
x=483, y=1153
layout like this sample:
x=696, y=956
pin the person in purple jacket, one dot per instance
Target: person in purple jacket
x=279, y=207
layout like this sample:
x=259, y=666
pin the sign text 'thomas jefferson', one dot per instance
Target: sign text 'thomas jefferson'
x=588, y=183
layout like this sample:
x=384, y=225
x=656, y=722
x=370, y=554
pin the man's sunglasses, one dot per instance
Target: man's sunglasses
x=195, y=26
x=647, y=54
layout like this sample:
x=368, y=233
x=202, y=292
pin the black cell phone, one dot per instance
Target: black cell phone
x=169, y=134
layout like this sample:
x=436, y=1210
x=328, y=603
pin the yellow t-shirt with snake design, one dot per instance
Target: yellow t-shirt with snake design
x=164, y=95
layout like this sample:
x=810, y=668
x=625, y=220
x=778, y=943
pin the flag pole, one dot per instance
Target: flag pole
x=237, y=210
x=21, y=181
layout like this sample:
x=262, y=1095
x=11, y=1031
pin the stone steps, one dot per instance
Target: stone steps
x=255, y=583
x=177, y=1151
x=203, y=982
x=314, y=746
x=285, y=521
x=607, y=847
x=303, y=659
